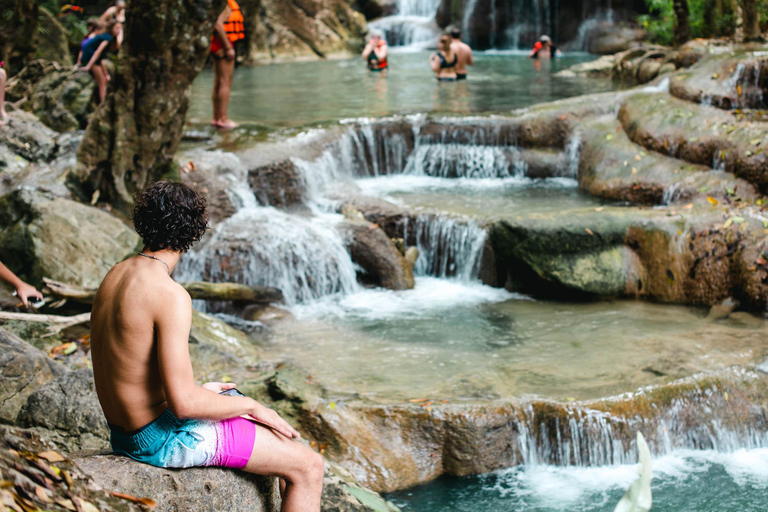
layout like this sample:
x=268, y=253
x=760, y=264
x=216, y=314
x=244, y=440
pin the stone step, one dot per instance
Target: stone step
x=728, y=81
x=698, y=134
x=614, y=167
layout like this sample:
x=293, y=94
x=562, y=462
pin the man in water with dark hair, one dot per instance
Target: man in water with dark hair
x=543, y=49
x=464, y=53
x=157, y=414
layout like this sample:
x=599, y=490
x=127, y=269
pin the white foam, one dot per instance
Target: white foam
x=382, y=186
x=571, y=487
x=429, y=294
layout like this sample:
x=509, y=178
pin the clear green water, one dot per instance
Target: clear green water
x=685, y=481
x=480, y=198
x=462, y=341
x=303, y=93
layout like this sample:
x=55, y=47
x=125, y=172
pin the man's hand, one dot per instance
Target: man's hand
x=270, y=418
x=26, y=292
x=230, y=53
x=218, y=387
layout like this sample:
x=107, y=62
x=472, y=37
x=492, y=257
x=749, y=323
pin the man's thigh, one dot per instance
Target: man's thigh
x=275, y=454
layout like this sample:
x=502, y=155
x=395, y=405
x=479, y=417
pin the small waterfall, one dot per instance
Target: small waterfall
x=367, y=150
x=671, y=194
x=447, y=247
x=469, y=11
x=573, y=155
x=460, y=161
x=413, y=26
x=305, y=258
x=581, y=42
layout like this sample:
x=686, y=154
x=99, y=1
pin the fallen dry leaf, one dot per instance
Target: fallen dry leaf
x=688, y=206
x=147, y=502
x=712, y=200
x=589, y=231
x=51, y=456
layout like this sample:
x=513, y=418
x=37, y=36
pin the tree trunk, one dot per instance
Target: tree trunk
x=132, y=137
x=751, y=20
x=18, y=33
x=683, y=25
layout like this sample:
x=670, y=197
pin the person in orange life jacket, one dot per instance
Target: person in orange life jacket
x=543, y=49
x=375, y=53
x=228, y=30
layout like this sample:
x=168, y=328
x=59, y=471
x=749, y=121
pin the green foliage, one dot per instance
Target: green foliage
x=708, y=18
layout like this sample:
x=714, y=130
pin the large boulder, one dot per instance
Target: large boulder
x=277, y=184
x=61, y=239
x=67, y=411
x=373, y=251
x=63, y=99
x=28, y=138
x=610, y=38
x=191, y=490
x=23, y=370
x=220, y=176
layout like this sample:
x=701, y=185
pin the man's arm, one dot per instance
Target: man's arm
x=23, y=290
x=218, y=28
x=102, y=47
x=108, y=13
x=185, y=399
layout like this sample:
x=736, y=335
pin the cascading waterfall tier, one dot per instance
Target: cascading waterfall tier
x=412, y=27
x=447, y=247
x=304, y=257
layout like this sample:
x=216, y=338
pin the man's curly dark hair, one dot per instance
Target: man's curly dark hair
x=170, y=215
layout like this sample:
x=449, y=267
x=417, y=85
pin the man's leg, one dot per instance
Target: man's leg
x=3, y=115
x=218, y=57
x=225, y=89
x=301, y=468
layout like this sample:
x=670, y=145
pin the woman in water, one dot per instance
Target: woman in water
x=375, y=53
x=444, y=60
x=92, y=54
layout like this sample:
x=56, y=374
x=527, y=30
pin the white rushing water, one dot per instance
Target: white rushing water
x=413, y=27
x=304, y=257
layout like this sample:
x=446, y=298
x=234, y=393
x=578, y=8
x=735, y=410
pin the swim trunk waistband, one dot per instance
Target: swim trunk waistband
x=445, y=79
x=170, y=442
x=461, y=76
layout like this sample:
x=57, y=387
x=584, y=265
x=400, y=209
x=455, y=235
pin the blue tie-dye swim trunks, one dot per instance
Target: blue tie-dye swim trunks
x=169, y=442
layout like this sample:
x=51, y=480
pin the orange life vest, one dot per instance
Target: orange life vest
x=234, y=25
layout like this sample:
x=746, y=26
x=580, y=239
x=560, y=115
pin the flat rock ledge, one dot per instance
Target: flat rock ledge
x=212, y=489
x=183, y=490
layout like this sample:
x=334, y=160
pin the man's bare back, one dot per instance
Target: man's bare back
x=463, y=53
x=158, y=415
x=124, y=353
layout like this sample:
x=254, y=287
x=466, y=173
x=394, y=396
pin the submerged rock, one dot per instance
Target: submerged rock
x=371, y=249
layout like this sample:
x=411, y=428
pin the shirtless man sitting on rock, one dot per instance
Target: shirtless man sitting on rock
x=157, y=415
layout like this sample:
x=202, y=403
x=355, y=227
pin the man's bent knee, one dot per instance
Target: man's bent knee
x=310, y=469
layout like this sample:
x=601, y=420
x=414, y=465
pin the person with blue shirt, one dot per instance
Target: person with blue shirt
x=92, y=54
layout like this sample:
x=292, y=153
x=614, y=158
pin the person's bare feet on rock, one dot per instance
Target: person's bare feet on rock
x=227, y=124
x=3, y=118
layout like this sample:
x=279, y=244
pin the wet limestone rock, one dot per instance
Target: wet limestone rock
x=67, y=412
x=610, y=38
x=613, y=167
x=697, y=134
x=60, y=97
x=277, y=184
x=61, y=239
x=371, y=248
x=26, y=137
x=23, y=370
x=216, y=174
x=191, y=490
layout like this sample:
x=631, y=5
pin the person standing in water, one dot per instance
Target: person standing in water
x=375, y=53
x=229, y=29
x=3, y=115
x=443, y=62
x=156, y=412
x=463, y=53
x=544, y=49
